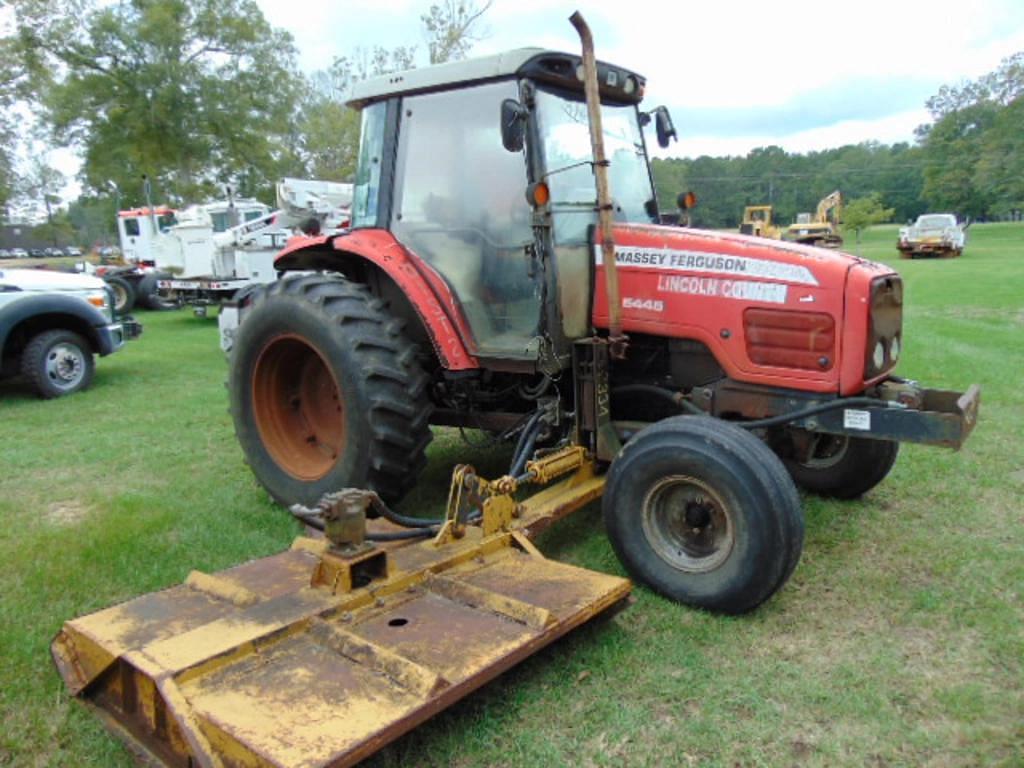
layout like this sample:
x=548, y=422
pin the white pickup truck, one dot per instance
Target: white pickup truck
x=933, y=234
x=51, y=326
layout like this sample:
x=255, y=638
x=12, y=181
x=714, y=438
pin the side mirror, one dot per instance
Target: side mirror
x=663, y=127
x=686, y=201
x=513, y=125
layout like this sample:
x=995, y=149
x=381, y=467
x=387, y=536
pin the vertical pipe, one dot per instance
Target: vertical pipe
x=604, y=198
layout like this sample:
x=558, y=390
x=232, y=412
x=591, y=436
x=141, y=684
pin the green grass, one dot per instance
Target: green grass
x=898, y=642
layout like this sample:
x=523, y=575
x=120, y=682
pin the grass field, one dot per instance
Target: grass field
x=899, y=640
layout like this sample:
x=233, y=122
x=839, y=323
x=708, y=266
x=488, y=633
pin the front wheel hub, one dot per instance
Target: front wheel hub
x=687, y=524
x=65, y=366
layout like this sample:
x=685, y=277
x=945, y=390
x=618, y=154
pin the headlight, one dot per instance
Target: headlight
x=885, y=325
x=878, y=358
x=102, y=301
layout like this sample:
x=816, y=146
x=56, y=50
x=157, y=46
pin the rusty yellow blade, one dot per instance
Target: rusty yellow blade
x=269, y=664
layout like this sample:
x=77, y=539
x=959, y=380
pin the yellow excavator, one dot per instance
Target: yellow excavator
x=822, y=228
x=757, y=221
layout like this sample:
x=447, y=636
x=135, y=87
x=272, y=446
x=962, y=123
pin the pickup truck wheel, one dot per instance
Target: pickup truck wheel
x=327, y=392
x=124, y=294
x=704, y=513
x=844, y=467
x=58, y=363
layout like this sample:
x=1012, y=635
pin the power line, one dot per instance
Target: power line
x=810, y=175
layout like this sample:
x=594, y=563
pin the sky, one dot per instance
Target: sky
x=801, y=75
x=736, y=75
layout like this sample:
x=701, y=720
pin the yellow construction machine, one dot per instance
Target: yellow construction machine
x=821, y=228
x=757, y=221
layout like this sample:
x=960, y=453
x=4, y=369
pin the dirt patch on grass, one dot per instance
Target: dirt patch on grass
x=65, y=513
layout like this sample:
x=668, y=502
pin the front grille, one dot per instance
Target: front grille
x=885, y=325
x=788, y=339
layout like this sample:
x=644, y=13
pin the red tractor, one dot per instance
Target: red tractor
x=471, y=291
x=689, y=394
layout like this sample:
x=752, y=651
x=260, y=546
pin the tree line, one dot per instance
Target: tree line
x=969, y=160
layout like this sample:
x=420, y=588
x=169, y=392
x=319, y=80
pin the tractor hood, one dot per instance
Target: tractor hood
x=770, y=312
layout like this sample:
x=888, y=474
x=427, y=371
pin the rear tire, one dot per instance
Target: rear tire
x=58, y=363
x=148, y=295
x=327, y=393
x=124, y=294
x=844, y=467
x=704, y=513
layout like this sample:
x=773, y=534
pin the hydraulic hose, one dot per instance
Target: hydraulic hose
x=525, y=442
x=771, y=421
x=814, y=410
x=519, y=463
x=413, y=533
x=311, y=516
x=675, y=398
x=403, y=520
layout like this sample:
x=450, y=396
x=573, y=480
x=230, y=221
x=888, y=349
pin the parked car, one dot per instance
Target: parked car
x=4, y=253
x=37, y=253
x=19, y=253
x=933, y=234
x=52, y=324
x=73, y=250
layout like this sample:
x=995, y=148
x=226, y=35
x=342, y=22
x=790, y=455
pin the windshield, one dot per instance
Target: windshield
x=936, y=222
x=565, y=137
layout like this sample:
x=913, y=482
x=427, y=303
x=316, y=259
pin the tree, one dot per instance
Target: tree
x=952, y=150
x=1000, y=164
x=192, y=94
x=330, y=130
x=450, y=29
x=1001, y=86
x=11, y=79
x=38, y=189
x=861, y=213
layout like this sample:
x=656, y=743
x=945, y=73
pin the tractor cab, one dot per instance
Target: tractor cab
x=483, y=170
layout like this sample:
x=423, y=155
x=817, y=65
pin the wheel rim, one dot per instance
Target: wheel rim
x=827, y=451
x=298, y=408
x=687, y=524
x=120, y=296
x=65, y=366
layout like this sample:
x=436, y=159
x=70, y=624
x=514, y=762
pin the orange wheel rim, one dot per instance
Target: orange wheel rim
x=298, y=407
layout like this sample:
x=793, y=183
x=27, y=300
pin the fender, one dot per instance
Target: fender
x=48, y=304
x=428, y=293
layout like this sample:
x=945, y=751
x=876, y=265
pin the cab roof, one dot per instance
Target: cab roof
x=135, y=212
x=540, y=63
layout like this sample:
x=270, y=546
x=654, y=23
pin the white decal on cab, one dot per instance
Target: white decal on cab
x=649, y=305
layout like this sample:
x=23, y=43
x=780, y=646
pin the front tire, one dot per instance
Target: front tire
x=844, y=467
x=327, y=393
x=57, y=363
x=704, y=513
